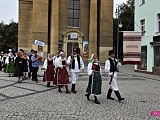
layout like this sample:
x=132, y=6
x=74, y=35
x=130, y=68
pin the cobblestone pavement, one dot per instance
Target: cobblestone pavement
x=34, y=101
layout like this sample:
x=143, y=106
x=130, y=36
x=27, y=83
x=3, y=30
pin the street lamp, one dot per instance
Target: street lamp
x=119, y=26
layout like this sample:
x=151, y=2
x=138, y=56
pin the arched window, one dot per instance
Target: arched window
x=73, y=13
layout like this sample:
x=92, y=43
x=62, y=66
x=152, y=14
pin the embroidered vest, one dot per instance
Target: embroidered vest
x=72, y=66
x=113, y=65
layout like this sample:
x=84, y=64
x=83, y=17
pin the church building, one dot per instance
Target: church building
x=65, y=24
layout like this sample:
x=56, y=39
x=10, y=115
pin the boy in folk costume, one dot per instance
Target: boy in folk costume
x=49, y=67
x=95, y=78
x=76, y=63
x=10, y=62
x=62, y=78
x=111, y=67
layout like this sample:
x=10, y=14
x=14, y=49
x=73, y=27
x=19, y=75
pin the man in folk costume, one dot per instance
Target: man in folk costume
x=95, y=78
x=49, y=67
x=30, y=63
x=111, y=67
x=10, y=62
x=76, y=63
x=62, y=78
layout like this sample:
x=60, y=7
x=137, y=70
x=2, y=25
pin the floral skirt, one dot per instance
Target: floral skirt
x=61, y=77
x=95, y=83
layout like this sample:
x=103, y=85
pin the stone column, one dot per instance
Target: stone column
x=54, y=26
x=93, y=27
x=106, y=28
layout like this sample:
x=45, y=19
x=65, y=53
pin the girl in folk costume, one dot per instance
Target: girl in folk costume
x=49, y=67
x=95, y=78
x=62, y=78
x=10, y=61
x=19, y=66
x=25, y=65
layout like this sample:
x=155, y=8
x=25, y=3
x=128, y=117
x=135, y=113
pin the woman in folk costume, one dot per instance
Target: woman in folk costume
x=10, y=61
x=49, y=67
x=62, y=78
x=95, y=78
x=19, y=66
x=111, y=67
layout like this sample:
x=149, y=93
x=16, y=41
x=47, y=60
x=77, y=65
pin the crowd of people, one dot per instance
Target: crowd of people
x=57, y=70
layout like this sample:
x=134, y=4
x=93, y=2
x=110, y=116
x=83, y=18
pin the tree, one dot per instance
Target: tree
x=126, y=16
x=8, y=36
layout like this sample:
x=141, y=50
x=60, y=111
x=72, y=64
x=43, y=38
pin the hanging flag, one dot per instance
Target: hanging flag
x=131, y=47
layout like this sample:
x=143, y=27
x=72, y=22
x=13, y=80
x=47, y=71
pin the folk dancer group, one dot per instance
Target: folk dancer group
x=56, y=71
x=17, y=65
x=95, y=79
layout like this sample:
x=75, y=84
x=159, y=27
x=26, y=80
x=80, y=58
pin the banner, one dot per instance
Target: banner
x=85, y=49
x=131, y=47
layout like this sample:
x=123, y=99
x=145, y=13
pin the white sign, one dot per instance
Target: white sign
x=74, y=35
x=40, y=43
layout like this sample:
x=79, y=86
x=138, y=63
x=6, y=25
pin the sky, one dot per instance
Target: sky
x=9, y=9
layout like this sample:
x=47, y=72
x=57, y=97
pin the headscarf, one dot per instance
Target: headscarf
x=91, y=59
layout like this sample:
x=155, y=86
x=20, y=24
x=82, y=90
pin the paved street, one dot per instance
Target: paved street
x=34, y=101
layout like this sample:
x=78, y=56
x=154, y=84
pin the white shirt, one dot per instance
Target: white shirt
x=76, y=69
x=107, y=67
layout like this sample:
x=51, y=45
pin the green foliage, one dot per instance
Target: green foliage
x=126, y=16
x=8, y=36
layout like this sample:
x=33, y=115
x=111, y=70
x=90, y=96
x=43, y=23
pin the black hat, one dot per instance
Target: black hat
x=32, y=50
x=111, y=52
x=21, y=50
x=60, y=50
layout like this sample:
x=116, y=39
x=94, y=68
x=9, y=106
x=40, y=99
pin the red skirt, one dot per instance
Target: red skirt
x=61, y=77
x=49, y=74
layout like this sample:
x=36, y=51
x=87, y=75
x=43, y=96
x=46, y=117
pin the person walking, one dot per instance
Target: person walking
x=10, y=62
x=49, y=74
x=19, y=66
x=35, y=66
x=30, y=63
x=25, y=65
x=95, y=78
x=62, y=77
x=76, y=63
x=111, y=67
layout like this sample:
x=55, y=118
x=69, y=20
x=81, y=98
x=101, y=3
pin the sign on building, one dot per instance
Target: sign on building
x=40, y=43
x=74, y=35
x=131, y=47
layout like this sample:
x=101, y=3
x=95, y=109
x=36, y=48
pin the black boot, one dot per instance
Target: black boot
x=96, y=101
x=73, y=88
x=87, y=96
x=118, y=96
x=59, y=89
x=48, y=84
x=109, y=94
x=67, y=91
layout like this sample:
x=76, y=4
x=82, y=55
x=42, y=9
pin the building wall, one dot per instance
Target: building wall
x=148, y=12
x=25, y=24
x=33, y=24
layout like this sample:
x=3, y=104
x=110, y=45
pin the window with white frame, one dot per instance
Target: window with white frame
x=142, y=23
x=158, y=22
x=142, y=2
